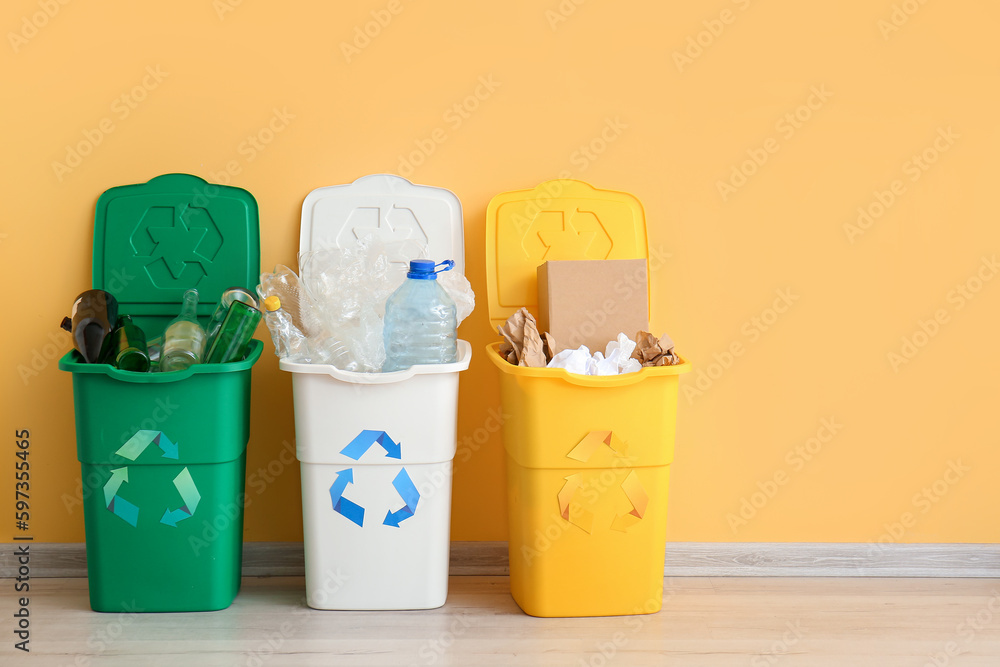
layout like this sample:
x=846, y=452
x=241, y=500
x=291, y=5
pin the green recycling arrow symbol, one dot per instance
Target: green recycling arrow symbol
x=183, y=482
x=138, y=443
x=117, y=505
x=189, y=494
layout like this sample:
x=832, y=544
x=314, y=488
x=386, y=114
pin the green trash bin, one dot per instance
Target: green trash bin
x=163, y=455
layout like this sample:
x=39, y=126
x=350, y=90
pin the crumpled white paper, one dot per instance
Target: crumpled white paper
x=615, y=360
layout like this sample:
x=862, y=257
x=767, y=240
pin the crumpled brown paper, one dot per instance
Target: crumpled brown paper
x=652, y=352
x=551, y=348
x=522, y=343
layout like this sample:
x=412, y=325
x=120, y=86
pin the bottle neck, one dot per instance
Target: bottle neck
x=189, y=307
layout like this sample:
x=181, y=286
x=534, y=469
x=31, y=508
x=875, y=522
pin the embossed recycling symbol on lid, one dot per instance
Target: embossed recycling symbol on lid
x=567, y=235
x=179, y=241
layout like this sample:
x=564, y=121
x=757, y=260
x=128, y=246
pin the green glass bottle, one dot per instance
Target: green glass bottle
x=225, y=301
x=235, y=334
x=184, y=339
x=125, y=347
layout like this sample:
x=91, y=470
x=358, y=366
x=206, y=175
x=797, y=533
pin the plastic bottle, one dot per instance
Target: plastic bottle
x=125, y=347
x=289, y=342
x=184, y=339
x=235, y=333
x=420, y=320
x=225, y=301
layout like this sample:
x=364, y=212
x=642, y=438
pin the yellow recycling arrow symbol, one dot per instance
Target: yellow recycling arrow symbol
x=631, y=486
x=571, y=511
x=586, y=447
x=639, y=499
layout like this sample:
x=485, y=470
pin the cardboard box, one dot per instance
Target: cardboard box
x=589, y=302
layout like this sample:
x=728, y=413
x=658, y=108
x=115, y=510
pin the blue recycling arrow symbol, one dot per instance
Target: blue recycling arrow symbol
x=356, y=448
x=408, y=492
x=341, y=505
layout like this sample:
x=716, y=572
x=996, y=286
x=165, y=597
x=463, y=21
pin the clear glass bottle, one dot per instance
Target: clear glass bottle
x=420, y=320
x=184, y=339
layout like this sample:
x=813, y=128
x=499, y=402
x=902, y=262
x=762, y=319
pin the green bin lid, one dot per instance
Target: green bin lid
x=153, y=241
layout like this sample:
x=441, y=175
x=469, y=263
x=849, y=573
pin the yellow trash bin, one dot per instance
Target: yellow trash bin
x=588, y=457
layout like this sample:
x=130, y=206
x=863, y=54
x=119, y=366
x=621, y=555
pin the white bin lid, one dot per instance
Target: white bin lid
x=398, y=211
x=401, y=213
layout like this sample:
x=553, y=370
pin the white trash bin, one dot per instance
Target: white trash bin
x=376, y=449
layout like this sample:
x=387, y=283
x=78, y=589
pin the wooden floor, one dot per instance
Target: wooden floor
x=704, y=621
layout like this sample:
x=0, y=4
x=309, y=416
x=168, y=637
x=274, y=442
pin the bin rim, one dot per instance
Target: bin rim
x=624, y=379
x=354, y=377
x=72, y=363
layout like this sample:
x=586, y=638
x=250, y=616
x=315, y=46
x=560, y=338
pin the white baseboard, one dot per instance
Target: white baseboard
x=683, y=559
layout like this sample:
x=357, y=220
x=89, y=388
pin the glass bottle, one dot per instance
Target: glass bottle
x=225, y=301
x=184, y=339
x=235, y=333
x=91, y=322
x=125, y=347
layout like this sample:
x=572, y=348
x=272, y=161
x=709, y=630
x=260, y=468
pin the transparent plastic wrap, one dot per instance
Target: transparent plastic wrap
x=460, y=290
x=352, y=284
x=332, y=311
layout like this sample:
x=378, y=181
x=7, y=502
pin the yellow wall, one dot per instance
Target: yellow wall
x=887, y=82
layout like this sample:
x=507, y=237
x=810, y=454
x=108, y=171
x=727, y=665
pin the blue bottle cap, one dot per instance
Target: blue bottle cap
x=423, y=269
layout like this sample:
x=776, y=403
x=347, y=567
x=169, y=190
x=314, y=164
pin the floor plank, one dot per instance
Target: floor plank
x=812, y=622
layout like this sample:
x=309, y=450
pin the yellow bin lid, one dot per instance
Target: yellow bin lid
x=558, y=219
